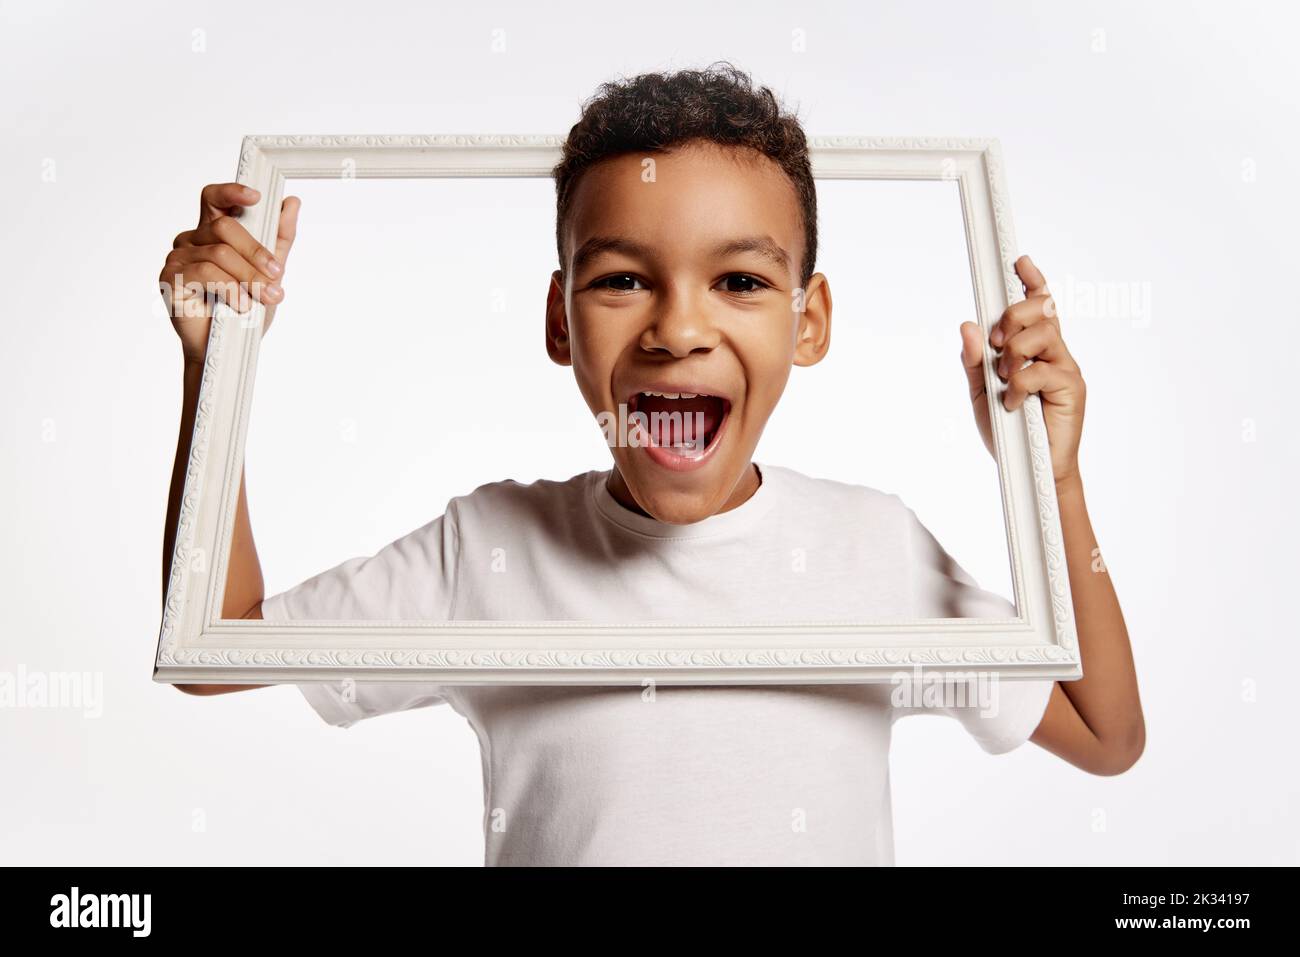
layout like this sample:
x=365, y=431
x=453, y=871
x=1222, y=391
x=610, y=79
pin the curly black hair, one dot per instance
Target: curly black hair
x=656, y=111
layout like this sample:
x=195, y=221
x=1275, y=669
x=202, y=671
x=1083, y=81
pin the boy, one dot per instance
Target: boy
x=674, y=295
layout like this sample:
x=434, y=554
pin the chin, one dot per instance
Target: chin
x=680, y=508
x=679, y=498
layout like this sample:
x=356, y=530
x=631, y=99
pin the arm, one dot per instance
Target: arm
x=1095, y=723
x=219, y=260
x=244, y=585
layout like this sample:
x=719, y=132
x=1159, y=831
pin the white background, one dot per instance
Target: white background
x=410, y=367
x=1147, y=149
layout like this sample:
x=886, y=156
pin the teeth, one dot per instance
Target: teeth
x=675, y=395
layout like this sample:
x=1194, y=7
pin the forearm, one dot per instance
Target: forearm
x=1110, y=729
x=192, y=376
x=244, y=583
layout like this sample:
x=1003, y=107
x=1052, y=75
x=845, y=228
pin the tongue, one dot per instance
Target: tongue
x=681, y=421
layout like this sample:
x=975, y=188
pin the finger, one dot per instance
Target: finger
x=1042, y=342
x=1031, y=277
x=185, y=297
x=288, y=229
x=207, y=279
x=232, y=264
x=229, y=231
x=972, y=357
x=1020, y=315
x=1041, y=378
x=222, y=199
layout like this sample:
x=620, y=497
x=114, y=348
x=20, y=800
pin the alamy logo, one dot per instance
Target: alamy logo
x=101, y=910
x=53, y=689
x=945, y=689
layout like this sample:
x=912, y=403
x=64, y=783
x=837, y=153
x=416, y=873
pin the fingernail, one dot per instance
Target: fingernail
x=996, y=337
x=275, y=292
x=273, y=268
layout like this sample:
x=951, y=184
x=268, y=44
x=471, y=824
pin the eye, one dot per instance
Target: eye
x=624, y=283
x=620, y=278
x=755, y=285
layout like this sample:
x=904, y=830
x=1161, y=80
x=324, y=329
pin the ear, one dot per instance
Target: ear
x=813, y=332
x=557, y=322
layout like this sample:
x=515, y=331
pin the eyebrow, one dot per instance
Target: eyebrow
x=764, y=246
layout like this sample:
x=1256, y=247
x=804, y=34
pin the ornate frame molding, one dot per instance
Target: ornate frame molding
x=195, y=645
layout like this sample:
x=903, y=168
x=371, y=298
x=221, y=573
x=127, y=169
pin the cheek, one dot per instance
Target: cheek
x=593, y=364
x=764, y=397
x=767, y=360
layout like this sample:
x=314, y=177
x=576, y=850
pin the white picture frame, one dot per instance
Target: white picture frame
x=196, y=645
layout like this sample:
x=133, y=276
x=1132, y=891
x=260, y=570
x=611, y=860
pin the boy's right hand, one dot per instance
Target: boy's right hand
x=219, y=259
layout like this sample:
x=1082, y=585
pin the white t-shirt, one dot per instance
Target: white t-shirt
x=789, y=774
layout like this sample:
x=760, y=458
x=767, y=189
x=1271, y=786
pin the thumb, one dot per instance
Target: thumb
x=1031, y=277
x=225, y=199
x=972, y=356
x=288, y=228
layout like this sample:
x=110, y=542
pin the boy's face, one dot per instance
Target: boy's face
x=682, y=277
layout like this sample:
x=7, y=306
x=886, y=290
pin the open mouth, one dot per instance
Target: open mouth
x=678, y=427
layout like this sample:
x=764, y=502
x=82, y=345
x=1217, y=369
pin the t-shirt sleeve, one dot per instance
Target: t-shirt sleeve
x=410, y=578
x=999, y=713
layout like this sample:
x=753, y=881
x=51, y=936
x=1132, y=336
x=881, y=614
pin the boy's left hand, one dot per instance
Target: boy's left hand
x=1031, y=330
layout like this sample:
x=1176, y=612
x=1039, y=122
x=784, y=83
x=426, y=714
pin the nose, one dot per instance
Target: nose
x=680, y=325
